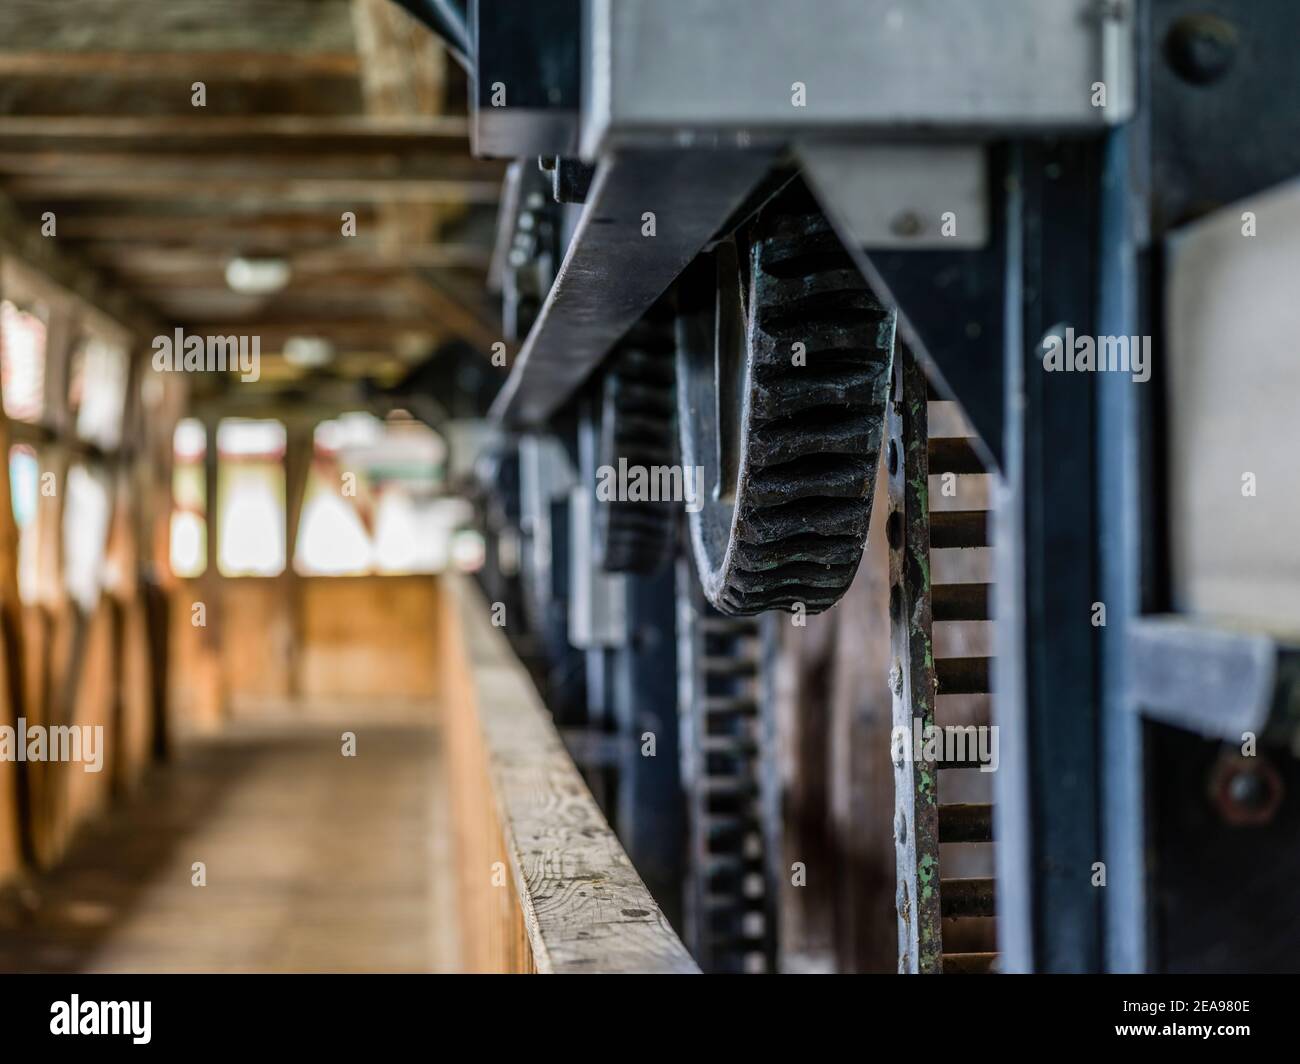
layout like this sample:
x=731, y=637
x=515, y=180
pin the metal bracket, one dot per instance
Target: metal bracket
x=647, y=215
x=913, y=196
x=525, y=83
x=1214, y=681
x=950, y=291
x=660, y=72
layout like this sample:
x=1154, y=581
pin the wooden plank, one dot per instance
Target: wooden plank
x=414, y=163
x=179, y=26
x=206, y=267
x=303, y=188
x=361, y=334
x=474, y=325
x=584, y=907
x=207, y=65
x=403, y=72
x=15, y=792
x=30, y=253
x=346, y=132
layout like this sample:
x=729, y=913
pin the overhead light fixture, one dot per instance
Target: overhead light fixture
x=257, y=277
x=307, y=351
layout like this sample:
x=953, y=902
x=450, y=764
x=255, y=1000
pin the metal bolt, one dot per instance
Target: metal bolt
x=1201, y=48
x=906, y=224
x=1246, y=790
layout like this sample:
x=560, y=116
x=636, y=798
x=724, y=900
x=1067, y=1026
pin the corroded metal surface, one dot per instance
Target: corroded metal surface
x=912, y=674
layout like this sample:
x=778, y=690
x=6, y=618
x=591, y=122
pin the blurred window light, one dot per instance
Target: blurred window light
x=332, y=541
x=102, y=380
x=87, y=509
x=22, y=362
x=371, y=504
x=190, y=440
x=24, y=491
x=189, y=520
x=308, y=351
x=468, y=550
x=250, y=498
x=257, y=277
x=239, y=438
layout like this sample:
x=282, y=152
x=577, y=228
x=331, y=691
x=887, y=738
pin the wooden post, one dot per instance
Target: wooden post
x=298, y=450
x=212, y=584
x=17, y=843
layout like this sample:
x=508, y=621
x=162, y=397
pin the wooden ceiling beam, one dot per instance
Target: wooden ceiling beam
x=141, y=27
x=191, y=265
x=342, y=191
x=66, y=271
x=208, y=65
x=342, y=133
x=413, y=164
x=471, y=322
x=348, y=333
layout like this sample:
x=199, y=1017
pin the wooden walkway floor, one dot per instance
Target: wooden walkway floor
x=315, y=862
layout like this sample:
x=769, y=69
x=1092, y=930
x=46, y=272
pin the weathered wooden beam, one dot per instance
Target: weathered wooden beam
x=205, y=66
x=155, y=94
x=51, y=188
x=347, y=132
x=178, y=26
x=403, y=72
x=370, y=304
x=17, y=844
x=44, y=256
x=358, y=334
x=413, y=163
x=572, y=901
x=472, y=323
x=344, y=261
x=108, y=229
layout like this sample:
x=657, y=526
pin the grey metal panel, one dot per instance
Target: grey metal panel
x=1047, y=668
x=545, y=474
x=1213, y=681
x=657, y=71
x=613, y=273
x=897, y=195
x=597, y=599
x=1123, y=448
x=531, y=52
x=1231, y=322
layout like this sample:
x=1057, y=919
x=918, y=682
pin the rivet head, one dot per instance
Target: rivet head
x=1201, y=48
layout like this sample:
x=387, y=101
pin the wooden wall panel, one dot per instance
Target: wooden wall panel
x=357, y=638
x=369, y=637
x=255, y=639
x=134, y=744
x=82, y=794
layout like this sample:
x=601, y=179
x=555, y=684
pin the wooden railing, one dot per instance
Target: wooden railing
x=544, y=884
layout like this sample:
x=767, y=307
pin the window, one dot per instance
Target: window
x=189, y=524
x=22, y=362
x=87, y=509
x=250, y=497
x=371, y=503
x=24, y=489
x=97, y=391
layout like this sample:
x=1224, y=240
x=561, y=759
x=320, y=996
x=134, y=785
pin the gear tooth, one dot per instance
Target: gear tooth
x=638, y=408
x=814, y=429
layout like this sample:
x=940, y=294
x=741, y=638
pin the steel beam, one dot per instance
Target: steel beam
x=762, y=71
x=1047, y=661
x=647, y=215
